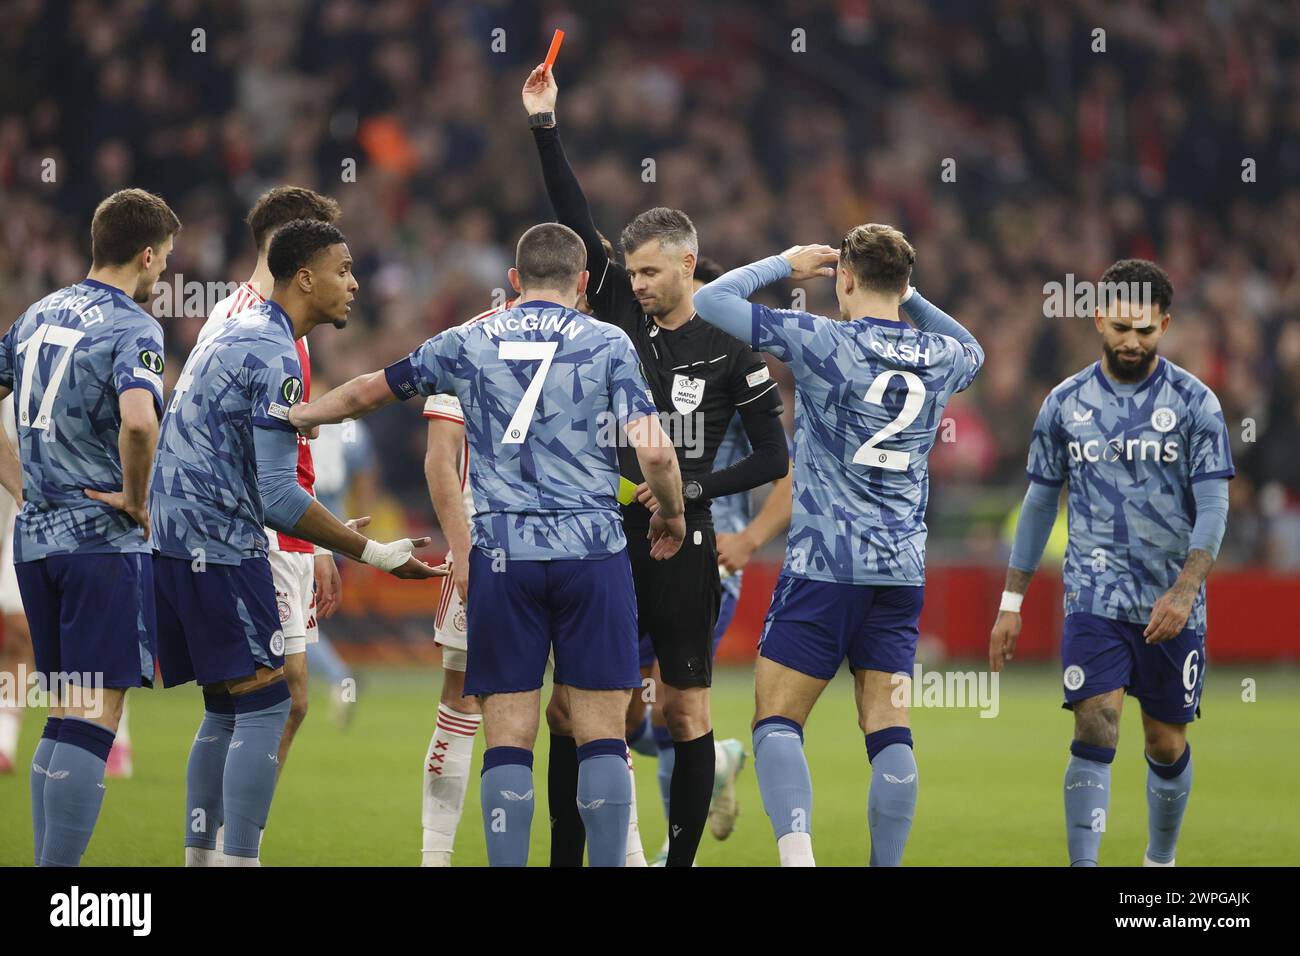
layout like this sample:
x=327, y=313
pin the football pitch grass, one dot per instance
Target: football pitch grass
x=990, y=788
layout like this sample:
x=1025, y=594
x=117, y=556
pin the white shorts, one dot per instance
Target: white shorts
x=450, y=628
x=294, y=574
x=11, y=599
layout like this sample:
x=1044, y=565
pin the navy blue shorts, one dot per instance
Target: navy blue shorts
x=91, y=614
x=812, y=626
x=1099, y=655
x=585, y=609
x=217, y=624
x=645, y=650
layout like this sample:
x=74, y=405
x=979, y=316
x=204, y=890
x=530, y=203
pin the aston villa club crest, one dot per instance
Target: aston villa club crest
x=1163, y=419
x=687, y=393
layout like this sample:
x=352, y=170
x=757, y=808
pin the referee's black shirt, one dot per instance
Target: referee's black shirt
x=700, y=376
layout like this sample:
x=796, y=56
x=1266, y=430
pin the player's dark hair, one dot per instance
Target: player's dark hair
x=284, y=204
x=1139, y=274
x=127, y=222
x=879, y=256
x=671, y=227
x=706, y=269
x=297, y=243
x=549, y=256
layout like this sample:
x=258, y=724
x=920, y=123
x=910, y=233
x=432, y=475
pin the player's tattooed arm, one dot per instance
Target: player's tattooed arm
x=1006, y=629
x=1018, y=581
x=1169, y=616
x=446, y=444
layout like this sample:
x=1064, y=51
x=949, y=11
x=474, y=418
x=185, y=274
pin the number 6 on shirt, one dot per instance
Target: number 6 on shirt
x=542, y=352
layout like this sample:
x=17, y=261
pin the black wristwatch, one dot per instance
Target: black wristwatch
x=692, y=490
x=546, y=118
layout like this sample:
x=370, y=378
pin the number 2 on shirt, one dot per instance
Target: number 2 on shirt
x=543, y=352
x=870, y=455
x=58, y=336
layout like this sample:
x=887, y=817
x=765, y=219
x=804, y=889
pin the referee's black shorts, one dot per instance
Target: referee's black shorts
x=677, y=603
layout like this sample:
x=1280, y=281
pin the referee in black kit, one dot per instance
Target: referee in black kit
x=701, y=378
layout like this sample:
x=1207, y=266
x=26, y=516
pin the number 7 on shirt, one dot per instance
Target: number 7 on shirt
x=544, y=352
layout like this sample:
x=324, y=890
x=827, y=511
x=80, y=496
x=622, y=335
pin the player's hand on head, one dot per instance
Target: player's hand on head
x=540, y=90
x=666, y=535
x=646, y=497
x=1002, y=641
x=116, y=499
x=811, y=262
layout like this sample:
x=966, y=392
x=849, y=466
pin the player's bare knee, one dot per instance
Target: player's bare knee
x=1165, y=743
x=1097, y=724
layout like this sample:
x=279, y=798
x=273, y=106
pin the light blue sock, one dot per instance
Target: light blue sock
x=605, y=800
x=643, y=740
x=1169, y=786
x=783, y=777
x=506, y=795
x=74, y=790
x=40, y=773
x=667, y=760
x=324, y=661
x=892, y=801
x=1087, y=800
x=252, y=762
x=207, y=769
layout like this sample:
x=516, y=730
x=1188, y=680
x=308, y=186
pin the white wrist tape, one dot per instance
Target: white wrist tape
x=386, y=557
x=1011, y=602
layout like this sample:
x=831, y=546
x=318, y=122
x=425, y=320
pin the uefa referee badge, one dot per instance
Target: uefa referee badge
x=687, y=393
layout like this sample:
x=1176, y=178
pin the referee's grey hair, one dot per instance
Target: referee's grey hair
x=671, y=227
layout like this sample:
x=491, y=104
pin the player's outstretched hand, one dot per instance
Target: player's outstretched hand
x=1002, y=642
x=1169, y=616
x=647, y=497
x=666, y=535
x=395, y=557
x=415, y=569
x=115, y=499
x=540, y=90
x=811, y=262
x=356, y=524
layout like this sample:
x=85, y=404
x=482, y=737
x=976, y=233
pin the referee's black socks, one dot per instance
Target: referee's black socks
x=568, y=836
x=690, y=793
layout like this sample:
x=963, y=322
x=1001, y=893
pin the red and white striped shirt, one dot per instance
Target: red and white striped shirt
x=241, y=300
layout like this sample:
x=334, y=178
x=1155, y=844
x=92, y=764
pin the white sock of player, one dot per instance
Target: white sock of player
x=11, y=721
x=220, y=851
x=446, y=777
x=635, y=852
x=796, y=849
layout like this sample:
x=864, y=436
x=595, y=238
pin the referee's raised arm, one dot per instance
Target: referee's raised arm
x=562, y=187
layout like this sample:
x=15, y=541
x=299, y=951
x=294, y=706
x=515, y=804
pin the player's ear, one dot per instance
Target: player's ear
x=847, y=275
x=513, y=276
x=583, y=278
x=1098, y=321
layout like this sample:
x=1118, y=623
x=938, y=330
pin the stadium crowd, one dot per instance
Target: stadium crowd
x=1010, y=140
